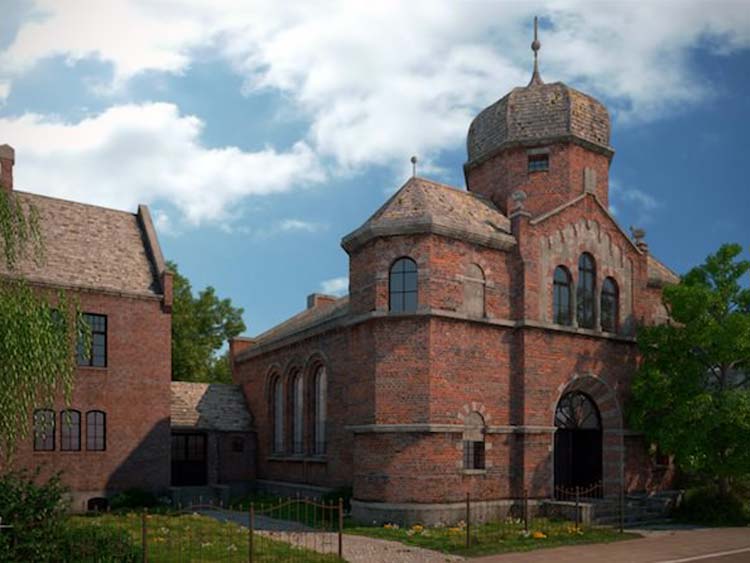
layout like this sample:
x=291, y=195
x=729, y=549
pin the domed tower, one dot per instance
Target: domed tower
x=548, y=140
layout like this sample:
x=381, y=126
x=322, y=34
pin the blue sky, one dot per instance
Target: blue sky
x=259, y=134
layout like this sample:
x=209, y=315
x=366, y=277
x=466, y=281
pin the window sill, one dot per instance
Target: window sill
x=92, y=368
x=298, y=458
x=474, y=471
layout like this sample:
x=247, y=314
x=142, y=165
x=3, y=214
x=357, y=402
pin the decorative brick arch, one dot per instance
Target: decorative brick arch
x=613, y=447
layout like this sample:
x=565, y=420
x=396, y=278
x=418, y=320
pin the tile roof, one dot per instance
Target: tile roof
x=210, y=406
x=422, y=206
x=659, y=274
x=89, y=246
x=306, y=319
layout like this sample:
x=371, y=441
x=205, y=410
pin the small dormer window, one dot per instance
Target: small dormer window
x=538, y=162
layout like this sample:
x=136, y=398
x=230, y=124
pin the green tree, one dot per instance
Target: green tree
x=37, y=329
x=201, y=325
x=691, y=395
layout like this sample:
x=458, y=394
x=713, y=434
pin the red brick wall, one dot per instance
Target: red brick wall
x=133, y=390
x=506, y=172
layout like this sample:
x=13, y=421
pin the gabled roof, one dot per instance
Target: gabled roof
x=424, y=206
x=210, y=406
x=659, y=275
x=92, y=247
x=304, y=320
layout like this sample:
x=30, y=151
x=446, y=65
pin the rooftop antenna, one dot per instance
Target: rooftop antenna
x=535, y=46
x=413, y=166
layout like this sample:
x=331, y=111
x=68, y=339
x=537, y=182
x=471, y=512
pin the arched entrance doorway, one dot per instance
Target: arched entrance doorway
x=578, y=445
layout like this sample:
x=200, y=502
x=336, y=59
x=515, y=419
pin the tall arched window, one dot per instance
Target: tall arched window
x=586, y=291
x=473, y=438
x=320, y=410
x=474, y=291
x=561, y=303
x=609, y=307
x=96, y=431
x=278, y=416
x=298, y=414
x=44, y=430
x=70, y=430
x=402, y=288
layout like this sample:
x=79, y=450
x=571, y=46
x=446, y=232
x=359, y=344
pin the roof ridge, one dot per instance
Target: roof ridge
x=73, y=202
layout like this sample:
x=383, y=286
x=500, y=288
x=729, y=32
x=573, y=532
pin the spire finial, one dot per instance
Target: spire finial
x=413, y=166
x=535, y=46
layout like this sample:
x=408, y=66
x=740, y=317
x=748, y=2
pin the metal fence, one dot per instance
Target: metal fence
x=284, y=530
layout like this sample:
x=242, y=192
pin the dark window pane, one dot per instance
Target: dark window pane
x=410, y=302
x=70, y=431
x=96, y=431
x=397, y=282
x=44, y=430
x=585, y=292
x=97, y=353
x=410, y=281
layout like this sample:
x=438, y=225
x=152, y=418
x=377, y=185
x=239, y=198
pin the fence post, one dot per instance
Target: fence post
x=144, y=535
x=578, y=507
x=250, y=530
x=341, y=527
x=526, y=510
x=468, y=520
x=622, y=508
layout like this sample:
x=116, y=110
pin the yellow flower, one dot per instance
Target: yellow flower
x=538, y=535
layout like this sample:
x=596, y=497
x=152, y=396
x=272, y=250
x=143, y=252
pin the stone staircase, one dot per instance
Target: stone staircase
x=641, y=509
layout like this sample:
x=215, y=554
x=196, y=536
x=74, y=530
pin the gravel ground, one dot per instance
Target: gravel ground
x=356, y=549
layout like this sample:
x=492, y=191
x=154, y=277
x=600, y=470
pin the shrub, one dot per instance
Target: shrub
x=92, y=541
x=133, y=498
x=705, y=505
x=36, y=512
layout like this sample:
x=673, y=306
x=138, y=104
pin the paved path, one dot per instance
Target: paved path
x=701, y=545
x=356, y=549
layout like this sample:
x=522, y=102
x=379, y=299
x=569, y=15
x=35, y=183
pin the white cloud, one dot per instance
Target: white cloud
x=148, y=153
x=335, y=286
x=642, y=204
x=291, y=225
x=380, y=81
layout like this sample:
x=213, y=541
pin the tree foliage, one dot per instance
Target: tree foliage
x=201, y=325
x=37, y=330
x=691, y=395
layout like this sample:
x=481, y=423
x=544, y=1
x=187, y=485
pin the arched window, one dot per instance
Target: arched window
x=70, y=431
x=561, y=302
x=44, y=430
x=402, y=288
x=609, y=307
x=474, y=291
x=586, y=291
x=96, y=431
x=576, y=411
x=298, y=412
x=473, y=438
x=278, y=416
x=320, y=410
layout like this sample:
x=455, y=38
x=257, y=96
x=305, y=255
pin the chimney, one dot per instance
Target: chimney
x=317, y=299
x=7, y=160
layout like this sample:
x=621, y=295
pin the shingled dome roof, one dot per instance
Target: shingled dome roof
x=535, y=114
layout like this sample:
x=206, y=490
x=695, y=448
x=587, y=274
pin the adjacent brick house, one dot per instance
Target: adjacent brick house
x=488, y=339
x=111, y=263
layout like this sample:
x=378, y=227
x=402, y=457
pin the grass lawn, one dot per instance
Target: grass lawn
x=189, y=537
x=501, y=537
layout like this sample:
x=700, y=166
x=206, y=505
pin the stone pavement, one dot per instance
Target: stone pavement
x=703, y=545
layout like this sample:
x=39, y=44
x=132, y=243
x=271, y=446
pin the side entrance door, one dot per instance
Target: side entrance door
x=188, y=460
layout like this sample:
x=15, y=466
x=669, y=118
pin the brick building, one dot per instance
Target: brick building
x=110, y=262
x=487, y=342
